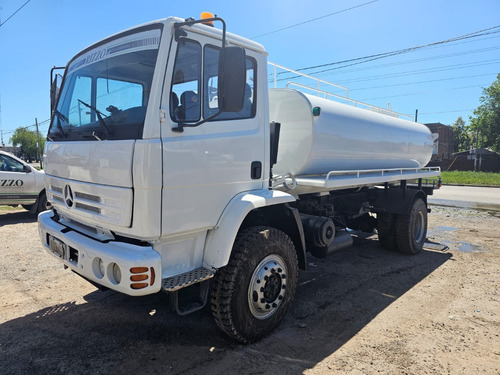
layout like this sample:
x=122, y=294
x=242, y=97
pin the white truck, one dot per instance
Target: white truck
x=21, y=184
x=171, y=167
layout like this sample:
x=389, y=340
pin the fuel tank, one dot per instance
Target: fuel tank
x=342, y=137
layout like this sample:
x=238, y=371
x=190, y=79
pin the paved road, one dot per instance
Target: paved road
x=485, y=198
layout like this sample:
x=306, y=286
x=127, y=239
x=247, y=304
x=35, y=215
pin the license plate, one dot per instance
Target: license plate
x=57, y=247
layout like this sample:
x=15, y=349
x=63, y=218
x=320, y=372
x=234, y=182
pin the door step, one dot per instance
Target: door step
x=171, y=284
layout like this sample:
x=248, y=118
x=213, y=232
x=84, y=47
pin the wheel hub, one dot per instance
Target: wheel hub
x=267, y=287
x=419, y=228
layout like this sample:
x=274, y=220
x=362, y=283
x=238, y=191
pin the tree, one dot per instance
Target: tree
x=461, y=134
x=485, y=124
x=27, y=139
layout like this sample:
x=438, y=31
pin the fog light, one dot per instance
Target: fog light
x=98, y=267
x=116, y=272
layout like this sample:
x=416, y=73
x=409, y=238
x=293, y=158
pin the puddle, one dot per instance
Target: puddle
x=466, y=247
x=446, y=229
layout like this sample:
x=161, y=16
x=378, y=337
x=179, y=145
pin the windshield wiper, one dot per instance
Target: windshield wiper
x=99, y=115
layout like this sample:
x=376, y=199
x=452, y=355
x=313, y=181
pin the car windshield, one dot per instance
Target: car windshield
x=106, y=90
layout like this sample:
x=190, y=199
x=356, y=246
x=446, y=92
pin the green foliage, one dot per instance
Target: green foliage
x=461, y=134
x=27, y=140
x=471, y=178
x=485, y=124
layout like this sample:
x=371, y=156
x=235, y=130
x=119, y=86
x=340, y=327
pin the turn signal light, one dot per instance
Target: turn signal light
x=153, y=276
x=138, y=277
x=139, y=285
x=138, y=269
x=142, y=274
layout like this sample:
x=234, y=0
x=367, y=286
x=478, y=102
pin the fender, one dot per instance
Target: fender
x=397, y=201
x=220, y=240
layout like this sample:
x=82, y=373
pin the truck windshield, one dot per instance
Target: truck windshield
x=106, y=90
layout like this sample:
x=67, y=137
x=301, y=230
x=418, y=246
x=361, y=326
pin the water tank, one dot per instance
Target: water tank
x=342, y=137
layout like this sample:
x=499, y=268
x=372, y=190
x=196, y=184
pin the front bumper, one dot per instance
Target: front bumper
x=127, y=268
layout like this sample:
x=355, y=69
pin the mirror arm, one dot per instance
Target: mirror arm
x=191, y=21
x=181, y=125
x=180, y=33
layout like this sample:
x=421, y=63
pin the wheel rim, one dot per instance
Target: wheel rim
x=419, y=227
x=267, y=288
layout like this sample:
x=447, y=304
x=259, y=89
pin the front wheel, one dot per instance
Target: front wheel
x=42, y=203
x=251, y=295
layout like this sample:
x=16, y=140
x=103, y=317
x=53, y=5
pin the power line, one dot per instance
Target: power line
x=364, y=59
x=13, y=14
x=437, y=113
x=27, y=127
x=424, y=92
x=419, y=82
x=406, y=62
x=443, y=68
x=314, y=19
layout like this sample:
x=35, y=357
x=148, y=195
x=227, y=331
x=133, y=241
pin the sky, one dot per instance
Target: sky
x=441, y=80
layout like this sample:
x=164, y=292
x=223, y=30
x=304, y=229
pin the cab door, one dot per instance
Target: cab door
x=205, y=166
x=17, y=182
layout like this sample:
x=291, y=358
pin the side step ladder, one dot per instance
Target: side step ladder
x=188, y=291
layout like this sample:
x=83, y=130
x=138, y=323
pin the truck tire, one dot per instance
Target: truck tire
x=251, y=295
x=42, y=203
x=411, y=229
x=386, y=230
x=28, y=207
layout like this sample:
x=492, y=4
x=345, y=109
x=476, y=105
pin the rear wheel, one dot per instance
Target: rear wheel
x=411, y=229
x=386, y=230
x=251, y=295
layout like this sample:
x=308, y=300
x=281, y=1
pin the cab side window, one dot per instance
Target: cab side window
x=10, y=165
x=210, y=84
x=187, y=93
x=185, y=104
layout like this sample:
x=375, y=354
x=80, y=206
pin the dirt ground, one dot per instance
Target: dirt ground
x=363, y=310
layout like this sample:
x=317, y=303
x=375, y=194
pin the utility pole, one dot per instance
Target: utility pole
x=38, y=153
x=416, y=115
x=475, y=151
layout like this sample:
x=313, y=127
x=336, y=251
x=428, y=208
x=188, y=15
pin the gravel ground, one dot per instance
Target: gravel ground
x=363, y=310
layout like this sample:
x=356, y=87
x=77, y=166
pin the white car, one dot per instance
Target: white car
x=22, y=184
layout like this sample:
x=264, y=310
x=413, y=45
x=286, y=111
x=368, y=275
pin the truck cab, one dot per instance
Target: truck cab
x=127, y=164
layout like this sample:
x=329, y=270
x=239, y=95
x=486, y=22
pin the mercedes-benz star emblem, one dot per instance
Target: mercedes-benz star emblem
x=68, y=196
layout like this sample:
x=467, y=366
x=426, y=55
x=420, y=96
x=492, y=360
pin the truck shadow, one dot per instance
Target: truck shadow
x=16, y=217
x=335, y=299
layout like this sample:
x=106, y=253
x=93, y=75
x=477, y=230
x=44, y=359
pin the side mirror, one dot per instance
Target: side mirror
x=26, y=169
x=232, y=79
x=55, y=85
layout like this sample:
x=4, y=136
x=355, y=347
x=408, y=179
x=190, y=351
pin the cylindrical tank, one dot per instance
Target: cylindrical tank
x=342, y=137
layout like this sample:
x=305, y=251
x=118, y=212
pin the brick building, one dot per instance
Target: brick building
x=445, y=145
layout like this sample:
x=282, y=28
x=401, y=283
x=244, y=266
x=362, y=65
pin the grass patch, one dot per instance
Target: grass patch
x=471, y=178
x=9, y=209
